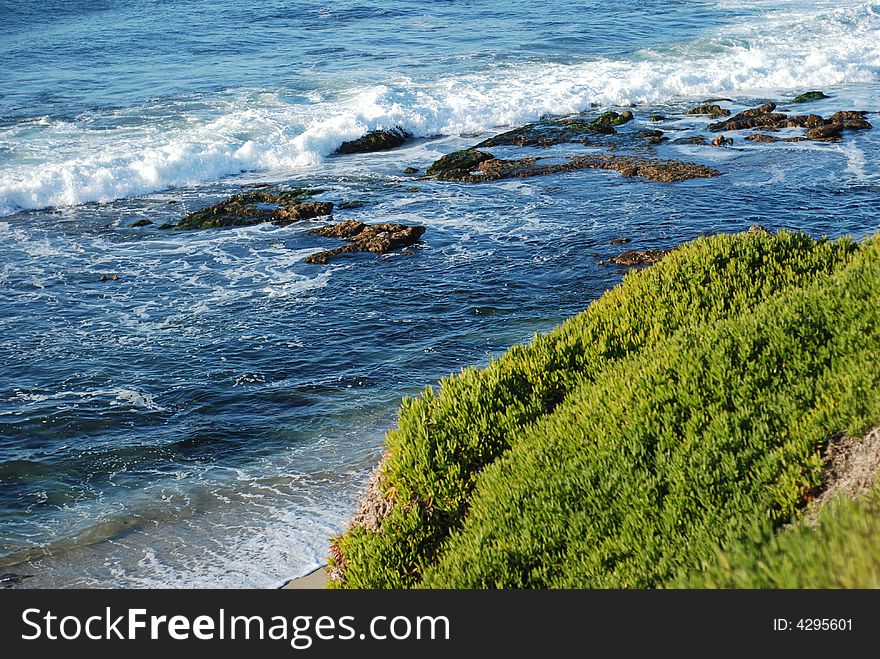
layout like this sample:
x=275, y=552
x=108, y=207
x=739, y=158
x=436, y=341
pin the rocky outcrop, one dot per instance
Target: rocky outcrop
x=752, y=118
x=140, y=223
x=712, y=110
x=818, y=128
x=721, y=140
x=360, y=237
x=473, y=166
x=453, y=166
x=824, y=132
x=376, y=140
x=807, y=97
x=634, y=257
x=251, y=208
x=852, y=120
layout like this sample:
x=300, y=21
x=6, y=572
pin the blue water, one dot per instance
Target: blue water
x=209, y=418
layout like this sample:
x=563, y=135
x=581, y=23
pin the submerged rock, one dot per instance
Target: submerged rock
x=473, y=166
x=372, y=238
x=11, y=579
x=619, y=241
x=763, y=137
x=694, y=139
x=351, y=204
x=375, y=140
x=634, y=257
x=711, y=110
x=411, y=170
x=256, y=207
x=655, y=118
x=140, y=223
x=809, y=96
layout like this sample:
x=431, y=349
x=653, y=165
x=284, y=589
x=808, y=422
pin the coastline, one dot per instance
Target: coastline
x=315, y=580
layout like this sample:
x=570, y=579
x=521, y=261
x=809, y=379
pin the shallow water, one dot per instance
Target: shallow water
x=208, y=419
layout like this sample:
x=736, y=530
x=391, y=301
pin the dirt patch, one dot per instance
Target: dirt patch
x=852, y=466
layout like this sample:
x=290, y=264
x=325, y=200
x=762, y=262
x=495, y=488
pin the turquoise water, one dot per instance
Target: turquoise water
x=209, y=418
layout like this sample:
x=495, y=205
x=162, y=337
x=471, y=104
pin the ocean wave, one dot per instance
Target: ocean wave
x=98, y=158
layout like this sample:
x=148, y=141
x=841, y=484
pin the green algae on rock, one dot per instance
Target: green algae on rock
x=807, y=97
x=611, y=118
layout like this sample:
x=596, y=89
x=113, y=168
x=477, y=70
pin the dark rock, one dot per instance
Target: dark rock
x=411, y=170
x=372, y=238
x=256, y=207
x=639, y=257
x=304, y=211
x=851, y=120
x=720, y=140
x=712, y=110
x=619, y=241
x=654, y=118
x=457, y=164
x=717, y=100
x=140, y=223
x=653, y=137
x=173, y=201
x=761, y=137
x=804, y=121
x=751, y=118
x=694, y=139
x=167, y=225
x=809, y=96
x=825, y=132
x=376, y=140
x=110, y=278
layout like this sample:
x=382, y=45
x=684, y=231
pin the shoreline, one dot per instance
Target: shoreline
x=315, y=580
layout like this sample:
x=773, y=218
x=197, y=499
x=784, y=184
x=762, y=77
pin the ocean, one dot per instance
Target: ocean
x=208, y=418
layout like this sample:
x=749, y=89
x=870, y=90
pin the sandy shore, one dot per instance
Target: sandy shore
x=312, y=581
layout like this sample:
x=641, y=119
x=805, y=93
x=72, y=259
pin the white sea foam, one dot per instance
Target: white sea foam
x=67, y=162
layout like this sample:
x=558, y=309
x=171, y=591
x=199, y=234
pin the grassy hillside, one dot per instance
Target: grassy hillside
x=681, y=409
x=842, y=552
